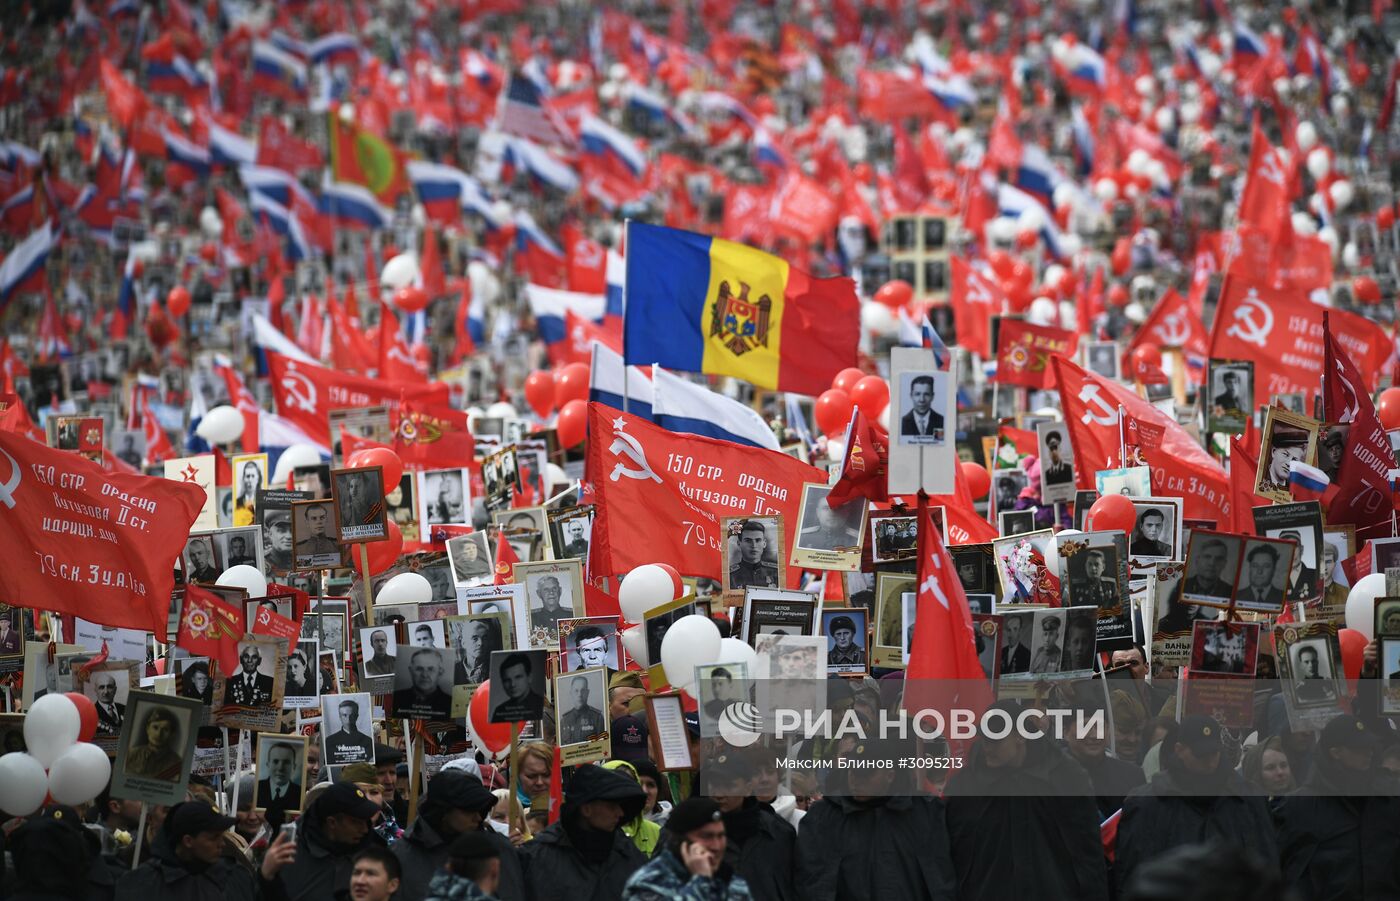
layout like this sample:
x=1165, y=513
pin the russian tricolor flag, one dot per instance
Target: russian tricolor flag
x=682, y=406
x=334, y=48
x=184, y=153
x=1308, y=483
x=601, y=139
x=1037, y=174
x=353, y=206
x=1087, y=69
x=175, y=77
x=620, y=387
x=277, y=72
x=283, y=222
x=955, y=92
x=617, y=282
x=1248, y=45
x=655, y=107
x=23, y=269
x=550, y=305
x=276, y=184
x=543, y=166
x=229, y=148
x=441, y=189
x=766, y=151
x=1083, y=139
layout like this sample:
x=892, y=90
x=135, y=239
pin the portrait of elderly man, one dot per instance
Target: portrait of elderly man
x=422, y=697
x=248, y=687
x=549, y=591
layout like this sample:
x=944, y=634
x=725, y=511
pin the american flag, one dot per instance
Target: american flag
x=523, y=111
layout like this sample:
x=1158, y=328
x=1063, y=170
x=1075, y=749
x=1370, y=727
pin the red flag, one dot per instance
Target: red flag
x=306, y=393
x=14, y=417
x=944, y=645
x=976, y=297
x=1024, y=351
x=1180, y=467
x=351, y=351
x=1364, y=497
x=577, y=346
x=210, y=628
x=270, y=622
x=864, y=468
x=84, y=541
x=960, y=519
x=1243, y=500
x=660, y=495
x=433, y=436
x=158, y=445
x=280, y=149
x=1171, y=324
x=1280, y=332
x=588, y=261
x=556, y=787
x=1264, y=201
x=434, y=281
x=803, y=209
x=505, y=561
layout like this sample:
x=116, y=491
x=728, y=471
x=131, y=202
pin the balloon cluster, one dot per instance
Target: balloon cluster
x=850, y=389
x=60, y=763
x=564, y=389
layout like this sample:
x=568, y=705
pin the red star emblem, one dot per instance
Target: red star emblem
x=189, y=474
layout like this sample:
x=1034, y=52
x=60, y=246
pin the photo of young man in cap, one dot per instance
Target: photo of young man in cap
x=846, y=635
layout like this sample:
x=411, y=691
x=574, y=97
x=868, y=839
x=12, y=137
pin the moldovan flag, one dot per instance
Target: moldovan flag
x=1180, y=467
x=660, y=495
x=1281, y=330
x=702, y=304
x=210, y=628
x=83, y=541
x=306, y=393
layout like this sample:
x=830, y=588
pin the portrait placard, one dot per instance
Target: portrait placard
x=667, y=734
x=1230, y=385
x=347, y=723
x=423, y=683
x=847, y=632
x=581, y=715
x=751, y=555
x=589, y=642
x=315, y=535
x=889, y=618
x=249, y=477
x=517, y=685
x=359, y=504
x=923, y=413
x=1286, y=437
x=444, y=498
x=1157, y=533
x=472, y=639
x=828, y=538
x=1057, y=481
x=156, y=748
x=281, y=772
x=554, y=589
x=251, y=697
x=1309, y=663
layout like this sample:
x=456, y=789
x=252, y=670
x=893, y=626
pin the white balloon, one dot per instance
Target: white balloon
x=79, y=774
x=1002, y=229
x=221, y=425
x=1138, y=161
x=1106, y=189
x=1328, y=235
x=1069, y=314
x=399, y=271
x=878, y=319
x=558, y=479
x=1042, y=311
x=245, y=576
x=690, y=642
x=1340, y=105
x=1135, y=313
x=1165, y=119
x=1361, y=604
x=50, y=728
x=405, y=588
x=210, y=222
x=1053, y=273
x=1031, y=219
x=1063, y=195
x=23, y=783
x=732, y=650
x=634, y=641
x=1306, y=135
x=484, y=282
x=1342, y=194
x=645, y=588
x=835, y=449
x=502, y=410
x=1304, y=224
x=1319, y=163
x=294, y=456
x=1351, y=255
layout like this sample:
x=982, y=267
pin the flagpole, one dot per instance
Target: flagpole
x=415, y=776
x=140, y=836
x=626, y=243
x=1122, y=439
x=515, y=816
x=237, y=765
x=369, y=599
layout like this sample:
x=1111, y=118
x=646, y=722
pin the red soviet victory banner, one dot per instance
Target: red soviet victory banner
x=975, y=297
x=1364, y=497
x=307, y=393
x=660, y=495
x=210, y=628
x=1281, y=331
x=1024, y=351
x=1172, y=324
x=1180, y=467
x=84, y=541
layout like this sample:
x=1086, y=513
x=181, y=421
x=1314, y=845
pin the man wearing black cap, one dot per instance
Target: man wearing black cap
x=334, y=829
x=845, y=651
x=1196, y=797
x=187, y=862
x=456, y=806
x=691, y=861
x=586, y=854
x=54, y=855
x=1338, y=834
x=760, y=846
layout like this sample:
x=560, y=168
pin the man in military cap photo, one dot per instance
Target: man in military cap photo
x=844, y=651
x=751, y=570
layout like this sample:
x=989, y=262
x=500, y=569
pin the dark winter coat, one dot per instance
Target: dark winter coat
x=762, y=848
x=164, y=877
x=554, y=865
x=1334, y=846
x=894, y=848
x=422, y=852
x=320, y=870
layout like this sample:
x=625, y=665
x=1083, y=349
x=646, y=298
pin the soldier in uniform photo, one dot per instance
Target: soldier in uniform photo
x=423, y=696
x=238, y=552
x=10, y=642
x=201, y=559
x=580, y=721
x=1333, y=592
x=381, y=662
x=248, y=687
x=1094, y=588
x=1310, y=685
x=1057, y=470
x=277, y=539
x=845, y=651
x=352, y=496
x=825, y=528
x=1286, y=445
x=575, y=544
x=349, y=744
x=316, y=543
x=1047, y=656
x=1229, y=397
x=549, y=590
x=522, y=701
x=751, y=570
x=1146, y=541
x=1302, y=579
x=110, y=714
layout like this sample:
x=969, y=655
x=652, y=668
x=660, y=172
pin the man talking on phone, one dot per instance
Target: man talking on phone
x=690, y=861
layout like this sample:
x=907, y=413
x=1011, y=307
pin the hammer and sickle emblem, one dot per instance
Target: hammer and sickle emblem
x=300, y=392
x=10, y=485
x=1171, y=331
x=1253, y=320
x=631, y=448
x=1272, y=169
x=1107, y=415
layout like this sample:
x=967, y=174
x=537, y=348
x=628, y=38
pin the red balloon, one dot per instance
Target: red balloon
x=1118, y=295
x=1027, y=239
x=87, y=714
x=1022, y=274
x=178, y=300
x=1146, y=356
x=979, y=481
x=1001, y=263
x=539, y=392
x=383, y=553
x=833, y=411
x=846, y=379
x=1385, y=217
x=380, y=456
x=895, y=294
x=410, y=298
x=1389, y=408
x=1353, y=652
x=1122, y=256
x=570, y=383
x=872, y=395
x=209, y=252
x=495, y=736
x=573, y=423
x=1111, y=513
x=159, y=328
x=1366, y=289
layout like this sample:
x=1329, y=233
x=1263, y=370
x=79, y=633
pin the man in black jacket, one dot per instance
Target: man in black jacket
x=1339, y=834
x=1197, y=798
x=871, y=837
x=1023, y=823
x=1112, y=778
x=456, y=804
x=187, y=862
x=586, y=856
x=761, y=846
x=335, y=828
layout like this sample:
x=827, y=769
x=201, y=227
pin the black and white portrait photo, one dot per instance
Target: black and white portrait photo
x=254, y=683
x=378, y=649
x=1080, y=640
x=1007, y=485
x=1301, y=525
x=570, y=532
x=590, y=642
x=1314, y=672
x=315, y=535
x=156, y=748
x=1263, y=575
x=752, y=553
x=923, y=401
x=129, y=446
x=720, y=685
x=359, y=504
x=426, y=633
x=1015, y=522
x=1101, y=358
x=473, y=638
x=517, y=685
x=1056, y=462
x=347, y=723
x=444, y=498
x=108, y=690
x=846, y=631
x=193, y=679
x=1093, y=577
x=1224, y=648
x=1155, y=532
x=1287, y=438
x=238, y=547
x=198, y=559
x=281, y=772
x=423, y=684
x=302, y=686
x=470, y=558
x=580, y=707
x=554, y=591
x=1231, y=392
x=827, y=537
x=893, y=538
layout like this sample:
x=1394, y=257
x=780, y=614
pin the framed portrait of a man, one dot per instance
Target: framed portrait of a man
x=581, y=715
x=922, y=405
x=423, y=684
x=251, y=696
x=444, y=498
x=1261, y=585
x=847, y=635
x=1301, y=524
x=1310, y=671
x=720, y=685
x=472, y=639
x=751, y=554
x=570, y=531
x=1156, y=533
x=1212, y=565
x=238, y=547
x=281, y=772
x=359, y=504
x=1102, y=358
x=828, y=537
x=589, y=642
x=893, y=536
x=379, y=649
x=517, y=685
x=347, y=723
x=1057, y=481
x=315, y=535
x=1287, y=438
x=1230, y=385
x=555, y=592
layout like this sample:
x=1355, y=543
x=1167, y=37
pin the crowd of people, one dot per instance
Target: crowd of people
x=432, y=197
